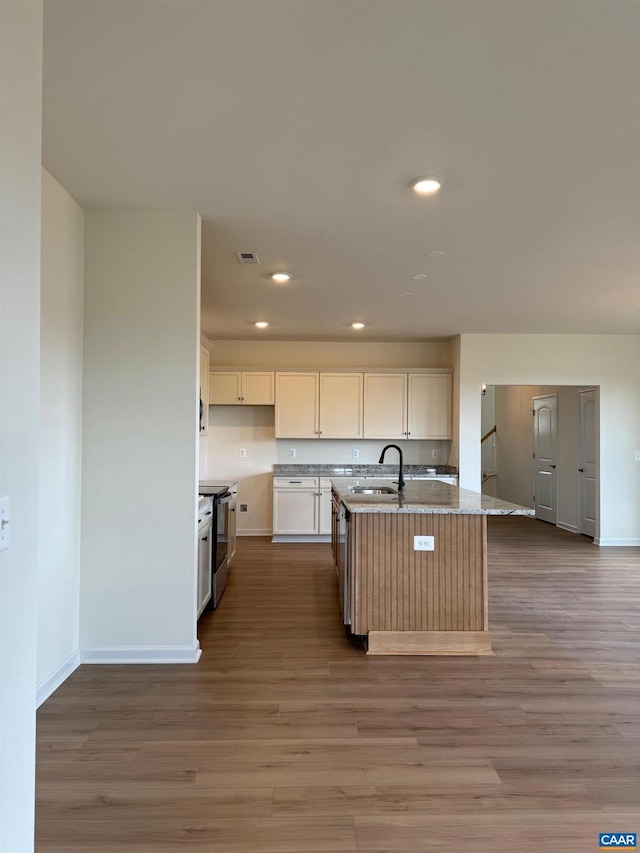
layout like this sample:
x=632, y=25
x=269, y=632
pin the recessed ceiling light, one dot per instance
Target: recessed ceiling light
x=281, y=277
x=427, y=186
x=419, y=276
x=262, y=324
x=435, y=253
x=357, y=325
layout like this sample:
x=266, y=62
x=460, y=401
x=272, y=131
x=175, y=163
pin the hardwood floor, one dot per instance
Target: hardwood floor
x=286, y=738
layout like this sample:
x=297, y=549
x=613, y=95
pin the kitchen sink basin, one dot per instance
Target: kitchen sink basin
x=381, y=490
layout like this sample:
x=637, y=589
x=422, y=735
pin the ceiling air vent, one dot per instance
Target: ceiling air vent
x=247, y=258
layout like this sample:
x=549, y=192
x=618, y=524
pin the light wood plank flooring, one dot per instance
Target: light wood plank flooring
x=287, y=739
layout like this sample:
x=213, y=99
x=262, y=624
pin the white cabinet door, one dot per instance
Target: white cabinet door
x=295, y=511
x=258, y=388
x=297, y=405
x=324, y=496
x=385, y=405
x=429, y=406
x=204, y=390
x=341, y=405
x=225, y=388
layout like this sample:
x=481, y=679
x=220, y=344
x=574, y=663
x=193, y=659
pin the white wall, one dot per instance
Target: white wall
x=610, y=361
x=252, y=428
x=20, y=147
x=330, y=354
x=140, y=427
x=61, y=435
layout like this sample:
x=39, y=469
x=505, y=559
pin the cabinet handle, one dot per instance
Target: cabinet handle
x=298, y=482
x=552, y=465
x=239, y=398
x=581, y=470
x=232, y=510
x=319, y=432
x=207, y=513
x=206, y=539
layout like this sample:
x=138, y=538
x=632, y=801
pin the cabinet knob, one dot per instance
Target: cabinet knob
x=551, y=465
x=581, y=470
x=408, y=433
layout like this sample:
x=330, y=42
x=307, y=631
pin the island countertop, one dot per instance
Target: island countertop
x=421, y=496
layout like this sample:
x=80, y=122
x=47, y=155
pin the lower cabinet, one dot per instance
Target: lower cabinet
x=301, y=506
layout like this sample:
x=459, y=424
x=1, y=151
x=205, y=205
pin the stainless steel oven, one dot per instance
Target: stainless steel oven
x=222, y=499
x=220, y=546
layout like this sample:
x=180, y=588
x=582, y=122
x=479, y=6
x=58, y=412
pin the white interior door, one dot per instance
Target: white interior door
x=545, y=443
x=588, y=470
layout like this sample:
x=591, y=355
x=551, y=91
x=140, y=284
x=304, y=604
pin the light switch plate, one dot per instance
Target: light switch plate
x=423, y=543
x=243, y=452
x=5, y=527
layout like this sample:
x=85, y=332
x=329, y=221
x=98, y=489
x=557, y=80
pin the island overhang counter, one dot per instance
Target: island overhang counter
x=403, y=599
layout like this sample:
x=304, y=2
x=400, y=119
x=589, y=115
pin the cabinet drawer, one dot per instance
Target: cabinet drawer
x=295, y=482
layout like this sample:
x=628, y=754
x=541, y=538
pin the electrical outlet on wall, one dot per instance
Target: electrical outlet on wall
x=292, y=453
x=423, y=543
x=434, y=454
x=5, y=525
x=355, y=453
x=244, y=507
x=243, y=452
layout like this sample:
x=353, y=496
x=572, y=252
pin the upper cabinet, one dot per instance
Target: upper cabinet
x=407, y=406
x=385, y=405
x=429, y=406
x=297, y=402
x=318, y=405
x=340, y=405
x=234, y=388
x=204, y=390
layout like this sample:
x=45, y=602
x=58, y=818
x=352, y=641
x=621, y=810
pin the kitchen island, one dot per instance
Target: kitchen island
x=412, y=565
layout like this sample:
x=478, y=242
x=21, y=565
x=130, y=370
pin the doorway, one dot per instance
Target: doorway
x=567, y=433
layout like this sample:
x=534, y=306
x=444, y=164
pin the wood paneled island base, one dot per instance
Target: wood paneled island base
x=420, y=602
x=405, y=600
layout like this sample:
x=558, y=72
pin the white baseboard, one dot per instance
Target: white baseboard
x=254, y=532
x=142, y=654
x=55, y=678
x=570, y=527
x=617, y=543
x=312, y=538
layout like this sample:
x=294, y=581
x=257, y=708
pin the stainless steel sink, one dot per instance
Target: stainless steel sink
x=381, y=490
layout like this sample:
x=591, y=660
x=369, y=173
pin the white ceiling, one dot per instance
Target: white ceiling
x=294, y=127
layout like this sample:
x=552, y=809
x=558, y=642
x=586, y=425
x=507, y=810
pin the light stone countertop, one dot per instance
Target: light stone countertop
x=423, y=496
